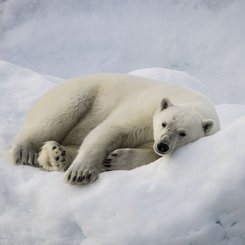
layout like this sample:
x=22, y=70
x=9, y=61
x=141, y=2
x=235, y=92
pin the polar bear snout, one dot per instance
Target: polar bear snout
x=162, y=148
x=166, y=144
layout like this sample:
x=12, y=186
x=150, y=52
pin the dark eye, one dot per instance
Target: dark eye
x=182, y=134
x=164, y=125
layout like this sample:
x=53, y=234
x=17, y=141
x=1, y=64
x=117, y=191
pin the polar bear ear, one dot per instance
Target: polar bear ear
x=207, y=125
x=165, y=103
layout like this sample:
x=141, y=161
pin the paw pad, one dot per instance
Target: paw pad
x=52, y=157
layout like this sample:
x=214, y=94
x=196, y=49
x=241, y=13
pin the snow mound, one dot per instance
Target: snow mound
x=171, y=76
x=196, y=196
x=20, y=88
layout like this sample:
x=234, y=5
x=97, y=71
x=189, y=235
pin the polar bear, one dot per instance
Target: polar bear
x=110, y=122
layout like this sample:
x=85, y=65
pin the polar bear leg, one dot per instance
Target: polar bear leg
x=101, y=141
x=128, y=158
x=95, y=147
x=53, y=117
x=53, y=156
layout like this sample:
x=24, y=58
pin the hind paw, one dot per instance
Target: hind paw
x=52, y=157
x=24, y=154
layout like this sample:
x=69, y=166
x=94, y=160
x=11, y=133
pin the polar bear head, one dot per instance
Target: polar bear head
x=175, y=125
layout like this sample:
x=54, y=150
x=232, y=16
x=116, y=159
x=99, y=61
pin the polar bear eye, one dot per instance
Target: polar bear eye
x=182, y=134
x=164, y=125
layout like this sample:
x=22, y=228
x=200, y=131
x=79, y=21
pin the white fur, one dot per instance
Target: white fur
x=92, y=117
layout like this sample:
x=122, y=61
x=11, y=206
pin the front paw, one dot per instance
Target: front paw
x=117, y=160
x=79, y=174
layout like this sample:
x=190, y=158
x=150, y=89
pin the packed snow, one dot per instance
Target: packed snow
x=193, y=197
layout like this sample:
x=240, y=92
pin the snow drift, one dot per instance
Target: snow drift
x=196, y=196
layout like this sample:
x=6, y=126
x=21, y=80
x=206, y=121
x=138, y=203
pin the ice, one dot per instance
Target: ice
x=195, y=196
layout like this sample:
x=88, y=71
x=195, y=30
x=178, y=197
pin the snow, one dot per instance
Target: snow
x=195, y=196
x=205, y=38
x=171, y=76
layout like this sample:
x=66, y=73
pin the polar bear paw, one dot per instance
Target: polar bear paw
x=25, y=154
x=80, y=174
x=52, y=157
x=120, y=159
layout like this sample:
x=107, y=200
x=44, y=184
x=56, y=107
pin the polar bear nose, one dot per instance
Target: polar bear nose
x=162, y=147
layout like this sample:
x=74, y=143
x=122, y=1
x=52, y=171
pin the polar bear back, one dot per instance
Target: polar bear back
x=128, y=92
x=139, y=97
x=115, y=97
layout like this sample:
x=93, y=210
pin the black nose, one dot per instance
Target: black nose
x=162, y=147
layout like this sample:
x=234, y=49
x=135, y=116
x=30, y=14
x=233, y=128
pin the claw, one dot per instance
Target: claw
x=74, y=178
x=69, y=177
